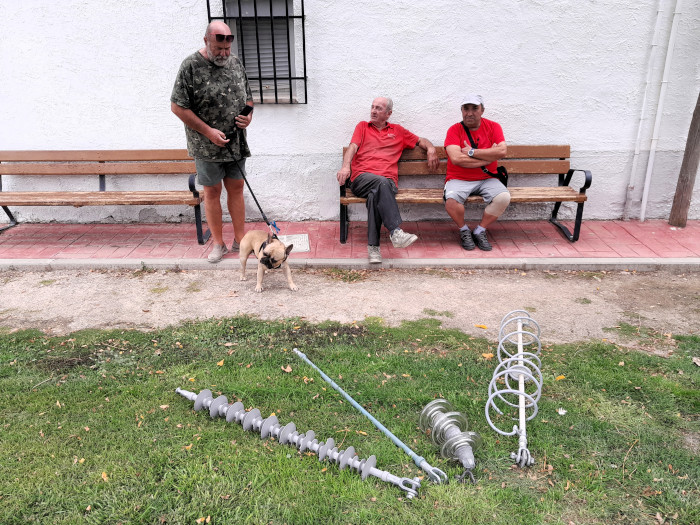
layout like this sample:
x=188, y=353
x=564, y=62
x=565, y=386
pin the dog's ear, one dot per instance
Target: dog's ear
x=289, y=249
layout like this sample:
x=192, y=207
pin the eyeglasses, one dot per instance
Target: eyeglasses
x=221, y=38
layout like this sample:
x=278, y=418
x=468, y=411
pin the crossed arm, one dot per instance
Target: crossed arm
x=482, y=157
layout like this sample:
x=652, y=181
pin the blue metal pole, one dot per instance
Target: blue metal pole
x=435, y=474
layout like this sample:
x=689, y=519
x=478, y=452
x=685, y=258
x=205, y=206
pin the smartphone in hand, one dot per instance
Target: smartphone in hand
x=247, y=110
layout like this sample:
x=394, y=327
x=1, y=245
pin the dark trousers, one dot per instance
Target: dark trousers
x=381, y=203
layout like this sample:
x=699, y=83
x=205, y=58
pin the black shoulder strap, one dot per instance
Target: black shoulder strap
x=471, y=141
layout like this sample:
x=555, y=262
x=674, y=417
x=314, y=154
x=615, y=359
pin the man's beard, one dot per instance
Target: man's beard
x=218, y=60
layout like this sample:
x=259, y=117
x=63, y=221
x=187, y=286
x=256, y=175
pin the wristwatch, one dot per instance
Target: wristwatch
x=471, y=152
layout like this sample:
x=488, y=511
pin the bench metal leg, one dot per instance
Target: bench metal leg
x=201, y=237
x=13, y=221
x=344, y=223
x=577, y=225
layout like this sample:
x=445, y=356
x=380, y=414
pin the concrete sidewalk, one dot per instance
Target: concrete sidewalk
x=525, y=245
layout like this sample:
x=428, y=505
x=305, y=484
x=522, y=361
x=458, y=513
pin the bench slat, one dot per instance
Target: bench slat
x=545, y=151
x=97, y=198
x=94, y=168
x=93, y=155
x=517, y=194
x=514, y=167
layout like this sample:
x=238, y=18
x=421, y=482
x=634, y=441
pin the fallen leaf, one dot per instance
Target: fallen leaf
x=696, y=360
x=561, y=411
x=220, y=363
x=164, y=407
x=621, y=363
x=81, y=460
x=481, y=326
x=187, y=447
x=287, y=369
x=88, y=508
x=104, y=477
x=559, y=378
x=487, y=356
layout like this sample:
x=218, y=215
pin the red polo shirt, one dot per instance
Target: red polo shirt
x=379, y=150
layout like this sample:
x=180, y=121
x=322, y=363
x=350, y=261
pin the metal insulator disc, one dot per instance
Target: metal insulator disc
x=346, y=457
x=306, y=440
x=267, y=426
x=369, y=464
x=287, y=432
x=449, y=449
x=250, y=418
x=201, y=397
x=217, y=405
x=448, y=421
x=325, y=448
x=430, y=410
x=233, y=411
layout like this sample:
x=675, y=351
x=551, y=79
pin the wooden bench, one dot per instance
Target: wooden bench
x=106, y=165
x=522, y=162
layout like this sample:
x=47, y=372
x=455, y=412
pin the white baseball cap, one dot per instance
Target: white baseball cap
x=471, y=98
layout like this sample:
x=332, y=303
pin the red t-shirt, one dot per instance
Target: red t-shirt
x=379, y=150
x=488, y=134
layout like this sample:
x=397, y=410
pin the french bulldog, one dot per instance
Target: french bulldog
x=270, y=252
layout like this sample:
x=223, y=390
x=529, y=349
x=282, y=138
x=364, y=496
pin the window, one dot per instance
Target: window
x=270, y=40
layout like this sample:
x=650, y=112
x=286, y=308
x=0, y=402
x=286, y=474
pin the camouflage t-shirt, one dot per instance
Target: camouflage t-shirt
x=216, y=95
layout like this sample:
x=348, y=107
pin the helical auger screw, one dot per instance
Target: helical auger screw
x=253, y=421
x=449, y=430
x=518, y=330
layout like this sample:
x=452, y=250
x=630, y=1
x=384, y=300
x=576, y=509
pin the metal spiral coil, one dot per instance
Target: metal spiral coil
x=517, y=380
x=449, y=430
x=253, y=421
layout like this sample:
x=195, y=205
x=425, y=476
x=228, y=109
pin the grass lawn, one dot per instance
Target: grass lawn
x=93, y=431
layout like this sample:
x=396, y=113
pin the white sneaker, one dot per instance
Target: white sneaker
x=375, y=256
x=217, y=253
x=401, y=239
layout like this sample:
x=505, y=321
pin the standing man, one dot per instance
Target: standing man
x=209, y=94
x=371, y=162
x=466, y=160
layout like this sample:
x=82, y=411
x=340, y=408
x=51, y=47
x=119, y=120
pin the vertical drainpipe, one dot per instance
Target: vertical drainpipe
x=659, y=109
x=643, y=114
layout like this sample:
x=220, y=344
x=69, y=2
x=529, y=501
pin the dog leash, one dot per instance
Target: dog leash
x=272, y=225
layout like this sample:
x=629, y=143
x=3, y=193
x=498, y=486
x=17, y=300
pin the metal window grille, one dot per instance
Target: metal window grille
x=271, y=44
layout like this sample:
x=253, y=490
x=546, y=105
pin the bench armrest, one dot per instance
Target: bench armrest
x=193, y=188
x=564, y=180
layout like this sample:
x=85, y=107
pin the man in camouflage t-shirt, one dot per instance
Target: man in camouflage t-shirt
x=209, y=94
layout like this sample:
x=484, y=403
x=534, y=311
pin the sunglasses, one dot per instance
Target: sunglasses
x=221, y=38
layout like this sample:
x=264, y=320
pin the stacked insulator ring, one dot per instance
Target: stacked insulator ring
x=449, y=430
x=517, y=380
x=252, y=421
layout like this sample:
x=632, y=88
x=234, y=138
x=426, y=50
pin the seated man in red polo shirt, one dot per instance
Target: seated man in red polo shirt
x=371, y=163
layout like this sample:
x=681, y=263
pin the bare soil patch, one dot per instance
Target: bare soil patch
x=569, y=306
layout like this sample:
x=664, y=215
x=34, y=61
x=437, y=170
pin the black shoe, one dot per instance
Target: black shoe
x=466, y=238
x=481, y=241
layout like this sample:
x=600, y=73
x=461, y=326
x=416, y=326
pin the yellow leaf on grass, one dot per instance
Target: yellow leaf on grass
x=220, y=363
x=187, y=447
x=487, y=356
x=104, y=477
x=559, y=378
x=287, y=369
x=481, y=326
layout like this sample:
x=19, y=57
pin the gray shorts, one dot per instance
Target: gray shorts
x=212, y=173
x=459, y=190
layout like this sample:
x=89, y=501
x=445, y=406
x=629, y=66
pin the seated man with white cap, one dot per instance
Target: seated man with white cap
x=473, y=144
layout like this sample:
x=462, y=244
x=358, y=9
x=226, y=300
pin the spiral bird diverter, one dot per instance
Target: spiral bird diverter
x=517, y=380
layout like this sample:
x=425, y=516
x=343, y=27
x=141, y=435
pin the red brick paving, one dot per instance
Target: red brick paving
x=437, y=240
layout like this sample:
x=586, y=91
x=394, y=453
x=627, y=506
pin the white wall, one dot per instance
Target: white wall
x=79, y=74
